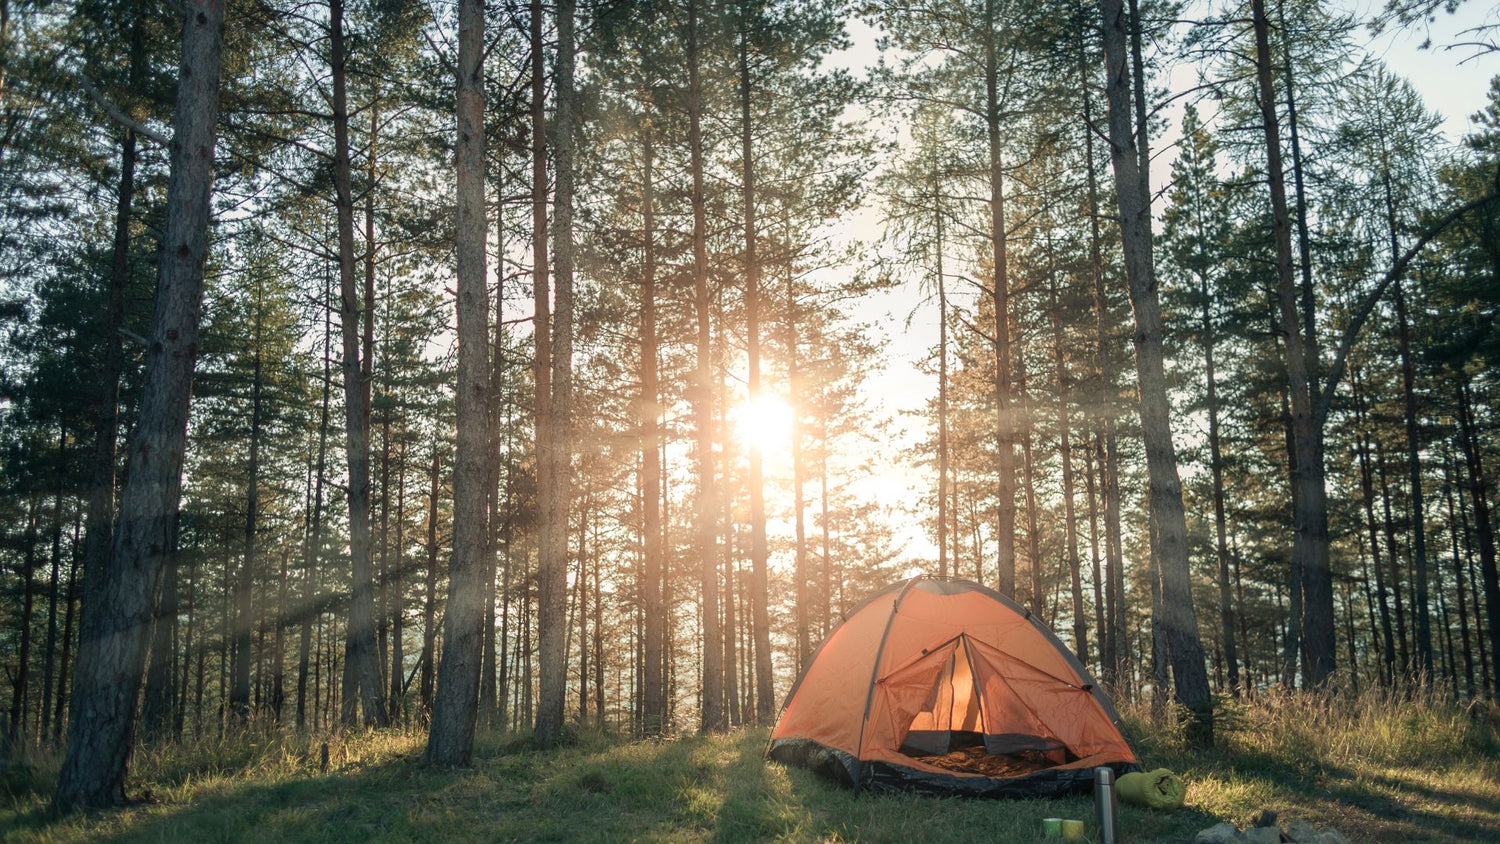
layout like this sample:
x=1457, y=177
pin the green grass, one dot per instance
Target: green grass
x=1378, y=768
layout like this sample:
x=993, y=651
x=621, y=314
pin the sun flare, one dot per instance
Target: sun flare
x=764, y=424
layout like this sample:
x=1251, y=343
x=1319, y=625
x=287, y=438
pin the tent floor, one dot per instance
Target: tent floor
x=974, y=760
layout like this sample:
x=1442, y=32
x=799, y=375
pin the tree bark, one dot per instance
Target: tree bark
x=455, y=707
x=1310, y=521
x=1479, y=494
x=765, y=693
x=117, y=630
x=1112, y=631
x=313, y=546
x=653, y=698
x=156, y=700
x=1367, y=488
x=363, y=686
x=429, y=593
x=1133, y=192
x=1065, y=448
x=701, y=396
x=1005, y=422
x=552, y=572
x=244, y=620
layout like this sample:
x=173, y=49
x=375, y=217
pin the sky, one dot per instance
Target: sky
x=1452, y=81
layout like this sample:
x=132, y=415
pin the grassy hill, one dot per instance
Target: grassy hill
x=1375, y=767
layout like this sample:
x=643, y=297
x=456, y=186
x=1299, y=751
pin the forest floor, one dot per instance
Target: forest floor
x=1375, y=768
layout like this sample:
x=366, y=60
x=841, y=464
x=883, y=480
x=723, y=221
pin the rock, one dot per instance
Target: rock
x=1262, y=835
x=1301, y=832
x=1265, y=818
x=1223, y=833
x=1329, y=835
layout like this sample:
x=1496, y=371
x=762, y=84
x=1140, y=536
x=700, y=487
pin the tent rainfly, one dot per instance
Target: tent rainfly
x=948, y=687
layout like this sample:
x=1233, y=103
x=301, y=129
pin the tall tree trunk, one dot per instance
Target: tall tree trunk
x=313, y=547
x=942, y=408
x=156, y=700
x=455, y=707
x=244, y=620
x=701, y=396
x=117, y=629
x=1449, y=481
x=759, y=594
x=1310, y=522
x=398, y=587
x=1367, y=488
x=654, y=623
x=429, y=593
x=1479, y=494
x=16, y=726
x=552, y=568
x=1005, y=421
x=1133, y=191
x=99, y=531
x=799, y=501
x=60, y=707
x=1216, y=466
x=1112, y=630
x=1394, y=553
x=1291, y=652
x=49, y=649
x=1065, y=447
x=278, y=645
x=1028, y=491
x=363, y=686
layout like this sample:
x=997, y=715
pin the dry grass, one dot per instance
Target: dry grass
x=1378, y=767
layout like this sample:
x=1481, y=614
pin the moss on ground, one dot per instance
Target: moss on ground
x=1376, y=768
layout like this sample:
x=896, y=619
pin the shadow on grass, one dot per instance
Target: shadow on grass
x=1367, y=804
x=719, y=788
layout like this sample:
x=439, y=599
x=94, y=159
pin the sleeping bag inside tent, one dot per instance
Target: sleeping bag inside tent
x=949, y=687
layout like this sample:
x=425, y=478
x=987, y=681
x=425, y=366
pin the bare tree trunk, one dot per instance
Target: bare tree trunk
x=49, y=650
x=60, y=707
x=314, y=540
x=363, y=686
x=1479, y=494
x=1028, y=491
x=942, y=485
x=1065, y=447
x=398, y=587
x=1414, y=475
x=552, y=565
x=1310, y=523
x=156, y=700
x=706, y=514
x=1367, y=487
x=429, y=593
x=117, y=630
x=1112, y=629
x=99, y=530
x=1005, y=422
x=653, y=699
x=244, y=620
x=17, y=720
x=1132, y=187
x=799, y=501
x=1394, y=554
x=1216, y=466
x=759, y=597
x=1450, y=479
x=455, y=707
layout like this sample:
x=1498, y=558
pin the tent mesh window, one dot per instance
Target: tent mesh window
x=967, y=692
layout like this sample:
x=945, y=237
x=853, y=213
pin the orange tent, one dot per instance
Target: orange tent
x=949, y=687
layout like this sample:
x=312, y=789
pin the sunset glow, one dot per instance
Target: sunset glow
x=764, y=424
